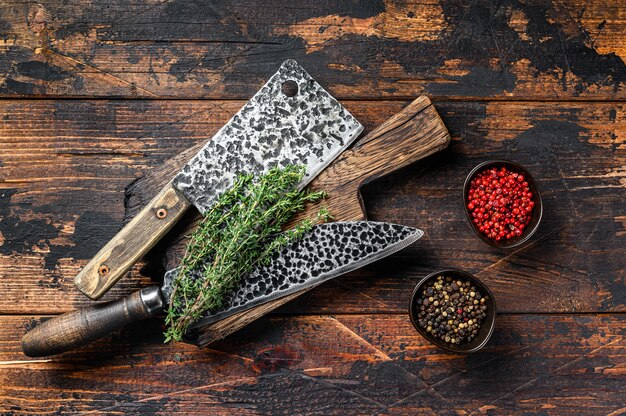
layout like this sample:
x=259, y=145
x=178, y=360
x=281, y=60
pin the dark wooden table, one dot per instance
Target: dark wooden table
x=97, y=93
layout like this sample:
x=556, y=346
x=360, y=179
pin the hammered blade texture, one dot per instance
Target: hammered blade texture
x=273, y=129
x=327, y=251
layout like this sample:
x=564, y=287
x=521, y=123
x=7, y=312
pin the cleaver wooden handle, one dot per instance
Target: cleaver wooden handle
x=80, y=327
x=410, y=135
x=132, y=242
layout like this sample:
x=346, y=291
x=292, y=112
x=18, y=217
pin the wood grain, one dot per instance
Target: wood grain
x=66, y=163
x=541, y=83
x=371, y=363
x=566, y=49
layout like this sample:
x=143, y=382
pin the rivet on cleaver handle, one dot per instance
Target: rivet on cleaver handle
x=291, y=120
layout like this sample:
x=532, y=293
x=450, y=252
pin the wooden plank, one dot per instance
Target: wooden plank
x=65, y=165
x=359, y=49
x=368, y=363
x=552, y=364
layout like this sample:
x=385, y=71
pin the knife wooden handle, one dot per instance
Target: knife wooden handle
x=132, y=242
x=80, y=327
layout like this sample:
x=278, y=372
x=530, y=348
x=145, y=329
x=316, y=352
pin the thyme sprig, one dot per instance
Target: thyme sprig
x=241, y=230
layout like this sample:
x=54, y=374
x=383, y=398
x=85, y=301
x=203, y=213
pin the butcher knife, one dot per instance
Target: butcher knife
x=291, y=120
x=327, y=251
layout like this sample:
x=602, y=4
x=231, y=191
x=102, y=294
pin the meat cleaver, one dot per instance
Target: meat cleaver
x=327, y=251
x=290, y=120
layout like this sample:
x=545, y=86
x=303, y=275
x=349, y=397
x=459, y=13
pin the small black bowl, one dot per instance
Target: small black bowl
x=486, y=328
x=537, y=212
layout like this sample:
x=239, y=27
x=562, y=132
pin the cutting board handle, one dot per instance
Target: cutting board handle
x=80, y=327
x=132, y=242
x=412, y=134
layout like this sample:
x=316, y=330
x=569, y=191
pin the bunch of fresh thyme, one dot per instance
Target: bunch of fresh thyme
x=240, y=231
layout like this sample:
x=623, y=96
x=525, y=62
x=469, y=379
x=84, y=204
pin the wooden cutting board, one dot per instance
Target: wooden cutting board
x=412, y=134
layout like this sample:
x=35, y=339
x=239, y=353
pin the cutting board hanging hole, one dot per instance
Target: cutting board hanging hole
x=161, y=213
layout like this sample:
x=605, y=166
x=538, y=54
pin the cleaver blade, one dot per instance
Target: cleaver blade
x=290, y=120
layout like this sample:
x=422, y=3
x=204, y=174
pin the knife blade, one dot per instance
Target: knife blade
x=327, y=251
x=290, y=120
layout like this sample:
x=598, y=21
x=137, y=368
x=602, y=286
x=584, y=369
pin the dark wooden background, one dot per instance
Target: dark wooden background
x=95, y=93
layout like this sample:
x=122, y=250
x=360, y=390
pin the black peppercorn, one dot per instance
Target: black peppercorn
x=451, y=310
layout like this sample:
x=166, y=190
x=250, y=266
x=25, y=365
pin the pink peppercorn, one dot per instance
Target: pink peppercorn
x=500, y=202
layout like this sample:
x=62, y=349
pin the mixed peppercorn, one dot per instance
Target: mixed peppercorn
x=451, y=309
x=500, y=203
